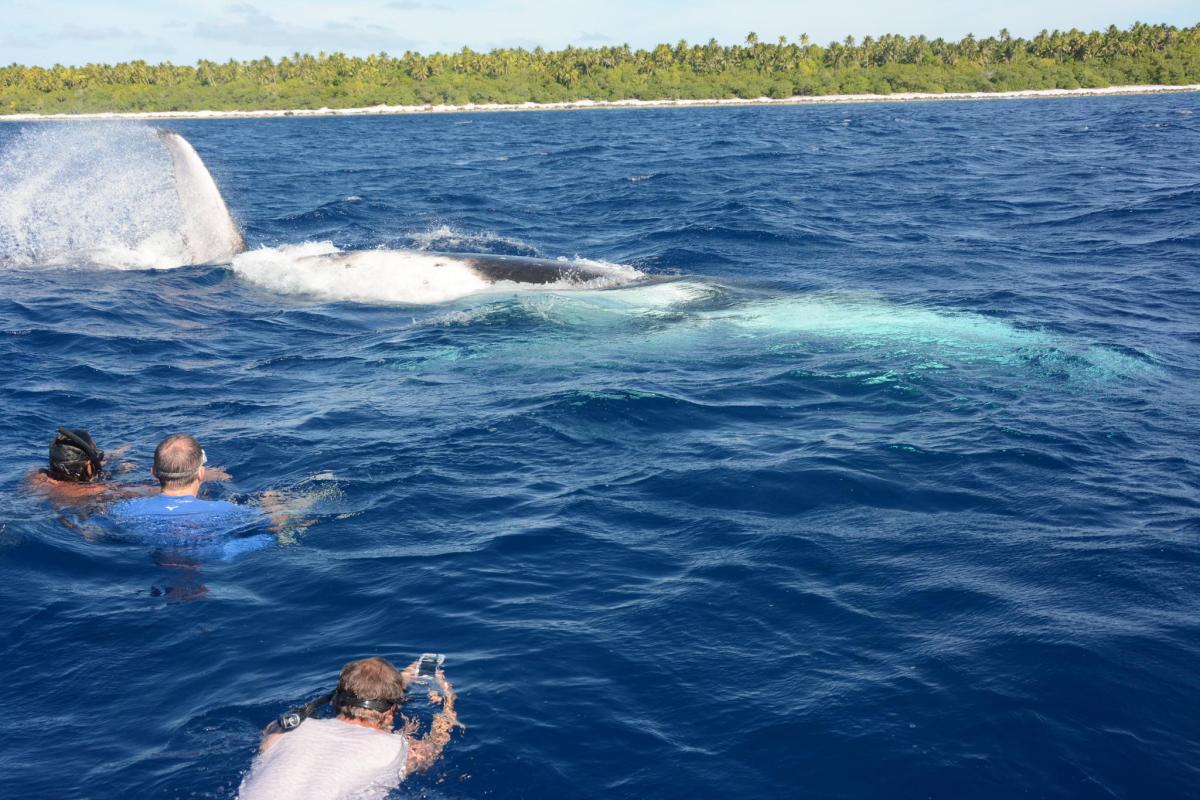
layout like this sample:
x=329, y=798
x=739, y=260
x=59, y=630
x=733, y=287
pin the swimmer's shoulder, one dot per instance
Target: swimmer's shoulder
x=39, y=481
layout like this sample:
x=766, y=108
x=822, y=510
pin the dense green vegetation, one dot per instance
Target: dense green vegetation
x=1158, y=54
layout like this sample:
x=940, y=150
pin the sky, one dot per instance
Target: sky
x=36, y=32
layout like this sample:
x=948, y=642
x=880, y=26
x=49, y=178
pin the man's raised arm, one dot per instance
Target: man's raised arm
x=426, y=750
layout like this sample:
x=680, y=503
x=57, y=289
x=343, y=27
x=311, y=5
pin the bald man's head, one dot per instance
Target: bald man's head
x=177, y=461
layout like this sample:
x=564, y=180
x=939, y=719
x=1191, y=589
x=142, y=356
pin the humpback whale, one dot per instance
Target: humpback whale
x=524, y=269
x=490, y=268
x=420, y=276
x=210, y=236
x=209, y=232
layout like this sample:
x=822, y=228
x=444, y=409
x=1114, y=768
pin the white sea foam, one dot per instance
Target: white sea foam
x=406, y=277
x=607, y=274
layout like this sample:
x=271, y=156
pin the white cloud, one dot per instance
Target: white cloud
x=246, y=24
x=403, y=5
x=93, y=34
x=23, y=42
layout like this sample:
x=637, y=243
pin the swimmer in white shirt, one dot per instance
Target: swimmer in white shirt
x=354, y=754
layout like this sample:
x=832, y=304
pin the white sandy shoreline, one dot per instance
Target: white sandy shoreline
x=899, y=97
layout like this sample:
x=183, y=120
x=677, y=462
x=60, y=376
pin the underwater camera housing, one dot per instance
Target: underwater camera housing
x=428, y=666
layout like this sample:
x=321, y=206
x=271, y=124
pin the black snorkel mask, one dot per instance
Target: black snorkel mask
x=82, y=442
x=341, y=698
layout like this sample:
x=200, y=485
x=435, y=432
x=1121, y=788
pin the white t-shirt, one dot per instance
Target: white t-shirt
x=328, y=759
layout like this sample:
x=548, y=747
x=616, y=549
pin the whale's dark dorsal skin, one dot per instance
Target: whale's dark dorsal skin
x=493, y=269
x=523, y=269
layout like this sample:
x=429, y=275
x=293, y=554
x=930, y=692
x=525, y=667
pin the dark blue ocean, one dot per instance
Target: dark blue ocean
x=890, y=489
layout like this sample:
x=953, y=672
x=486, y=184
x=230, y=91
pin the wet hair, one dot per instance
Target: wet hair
x=373, y=681
x=177, y=461
x=70, y=453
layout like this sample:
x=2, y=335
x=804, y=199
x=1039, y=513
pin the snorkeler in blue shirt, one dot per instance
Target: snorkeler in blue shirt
x=188, y=529
x=179, y=466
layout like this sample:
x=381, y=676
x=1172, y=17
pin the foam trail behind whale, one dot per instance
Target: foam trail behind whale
x=209, y=231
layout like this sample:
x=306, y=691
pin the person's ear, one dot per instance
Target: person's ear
x=200, y=474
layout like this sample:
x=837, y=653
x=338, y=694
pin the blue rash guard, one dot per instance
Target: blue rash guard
x=185, y=508
x=202, y=529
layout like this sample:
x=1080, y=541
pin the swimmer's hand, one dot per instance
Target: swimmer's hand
x=447, y=698
x=286, y=510
x=423, y=752
x=111, y=456
x=216, y=474
x=409, y=673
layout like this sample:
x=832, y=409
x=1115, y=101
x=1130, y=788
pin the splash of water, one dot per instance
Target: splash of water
x=108, y=195
x=444, y=238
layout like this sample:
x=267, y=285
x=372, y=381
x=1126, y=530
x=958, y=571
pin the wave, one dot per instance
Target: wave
x=444, y=238
x=120, y=196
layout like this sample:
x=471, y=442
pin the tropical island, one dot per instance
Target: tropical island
x=1159, y=55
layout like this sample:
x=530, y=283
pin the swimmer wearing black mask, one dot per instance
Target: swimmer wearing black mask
x=75, y=458
x=76, y=471
x=77, y=475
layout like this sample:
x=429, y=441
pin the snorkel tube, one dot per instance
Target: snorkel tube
x=291, y=719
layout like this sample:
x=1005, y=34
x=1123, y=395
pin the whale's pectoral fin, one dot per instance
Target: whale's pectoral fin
x=211, y=235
